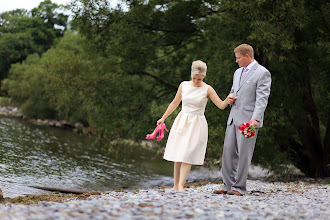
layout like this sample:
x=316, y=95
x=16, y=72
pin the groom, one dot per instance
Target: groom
x=251, y=87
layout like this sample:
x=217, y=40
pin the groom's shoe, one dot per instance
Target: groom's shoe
x=234, y=192
x=220, y=192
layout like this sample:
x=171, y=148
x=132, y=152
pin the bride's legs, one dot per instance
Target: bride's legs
x=177, y=167
x=184, y=171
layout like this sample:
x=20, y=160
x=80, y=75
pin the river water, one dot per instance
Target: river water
x=36, y=155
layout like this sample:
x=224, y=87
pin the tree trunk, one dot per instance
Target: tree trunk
x=327, y=147
x=311, y=153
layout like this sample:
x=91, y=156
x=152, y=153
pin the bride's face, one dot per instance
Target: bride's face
x=197, y=80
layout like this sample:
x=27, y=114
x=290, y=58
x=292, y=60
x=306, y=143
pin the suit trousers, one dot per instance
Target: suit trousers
x=236, y=158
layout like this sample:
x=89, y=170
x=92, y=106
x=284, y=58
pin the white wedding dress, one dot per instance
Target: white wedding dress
x=187, y=140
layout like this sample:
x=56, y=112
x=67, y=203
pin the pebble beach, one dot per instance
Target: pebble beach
x=264, y=200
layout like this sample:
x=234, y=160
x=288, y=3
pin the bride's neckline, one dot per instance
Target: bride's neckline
x=189, y=83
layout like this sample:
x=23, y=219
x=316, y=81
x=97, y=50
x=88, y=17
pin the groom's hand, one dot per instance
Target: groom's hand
x=254, y=122
x=231, y=99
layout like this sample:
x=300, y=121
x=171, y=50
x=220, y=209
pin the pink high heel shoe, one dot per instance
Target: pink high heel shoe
x=161, y=133
x=159, y=129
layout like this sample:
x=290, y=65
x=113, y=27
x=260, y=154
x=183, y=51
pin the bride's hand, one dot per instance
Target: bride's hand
x=160, y=121
x=231, y=98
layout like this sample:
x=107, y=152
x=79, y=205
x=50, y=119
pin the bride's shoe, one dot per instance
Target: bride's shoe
x=153, y=134
x=161, y=133
x=159, y=129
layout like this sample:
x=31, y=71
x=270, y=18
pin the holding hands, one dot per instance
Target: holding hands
x=231, y=99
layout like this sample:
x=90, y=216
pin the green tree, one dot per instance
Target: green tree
x=71, y=81
x=25, y=86
x=290, y=38
x=23, y=33
x=82, y=85
x=28, y=81
x=53, y=17
x=158, y=39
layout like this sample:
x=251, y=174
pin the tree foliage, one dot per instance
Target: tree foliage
x=123, y=69
x=23, y=33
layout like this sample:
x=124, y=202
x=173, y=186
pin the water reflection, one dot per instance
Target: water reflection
x=35, y=155
x=44, y=156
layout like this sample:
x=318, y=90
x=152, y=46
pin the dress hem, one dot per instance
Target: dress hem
x=196, y=164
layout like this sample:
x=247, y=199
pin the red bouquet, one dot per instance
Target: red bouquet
x=247, y=129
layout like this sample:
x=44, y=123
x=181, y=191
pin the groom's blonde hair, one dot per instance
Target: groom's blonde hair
x=245, y=49
x=198, y=67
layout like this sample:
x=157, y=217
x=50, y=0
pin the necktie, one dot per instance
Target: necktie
x=245, y=71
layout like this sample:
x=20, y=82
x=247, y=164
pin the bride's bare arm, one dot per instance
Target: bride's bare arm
x=211, y=94
x=173, y=105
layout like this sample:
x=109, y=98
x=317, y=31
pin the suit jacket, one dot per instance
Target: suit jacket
x=252, y=92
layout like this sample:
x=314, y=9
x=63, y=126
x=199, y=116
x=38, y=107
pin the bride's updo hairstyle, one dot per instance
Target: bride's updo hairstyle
x=198, y=67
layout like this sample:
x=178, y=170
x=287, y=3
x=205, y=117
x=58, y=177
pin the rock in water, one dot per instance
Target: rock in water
x=73, y=191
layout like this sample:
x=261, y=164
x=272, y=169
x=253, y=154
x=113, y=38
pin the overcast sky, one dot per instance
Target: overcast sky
x=7, y=5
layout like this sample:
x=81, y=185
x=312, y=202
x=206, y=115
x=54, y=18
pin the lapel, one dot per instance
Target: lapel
x=237, y=79
x=248, y=75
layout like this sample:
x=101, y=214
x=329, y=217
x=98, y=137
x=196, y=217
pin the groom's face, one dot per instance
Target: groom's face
x=242, y=60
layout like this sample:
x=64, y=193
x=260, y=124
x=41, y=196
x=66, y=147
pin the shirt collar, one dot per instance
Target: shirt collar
x=251, y=64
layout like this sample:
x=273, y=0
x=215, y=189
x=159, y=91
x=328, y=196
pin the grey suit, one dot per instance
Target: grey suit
x=252, y=92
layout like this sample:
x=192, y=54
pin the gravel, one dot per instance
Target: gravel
x=264, y=200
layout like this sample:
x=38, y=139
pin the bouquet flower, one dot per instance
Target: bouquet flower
x=247, y=129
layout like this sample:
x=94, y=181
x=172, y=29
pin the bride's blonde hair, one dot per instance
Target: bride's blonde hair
x=198, y=67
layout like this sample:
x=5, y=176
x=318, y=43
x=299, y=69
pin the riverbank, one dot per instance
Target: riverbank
x=76, y=127
x=198, y=174
x=264, y=200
